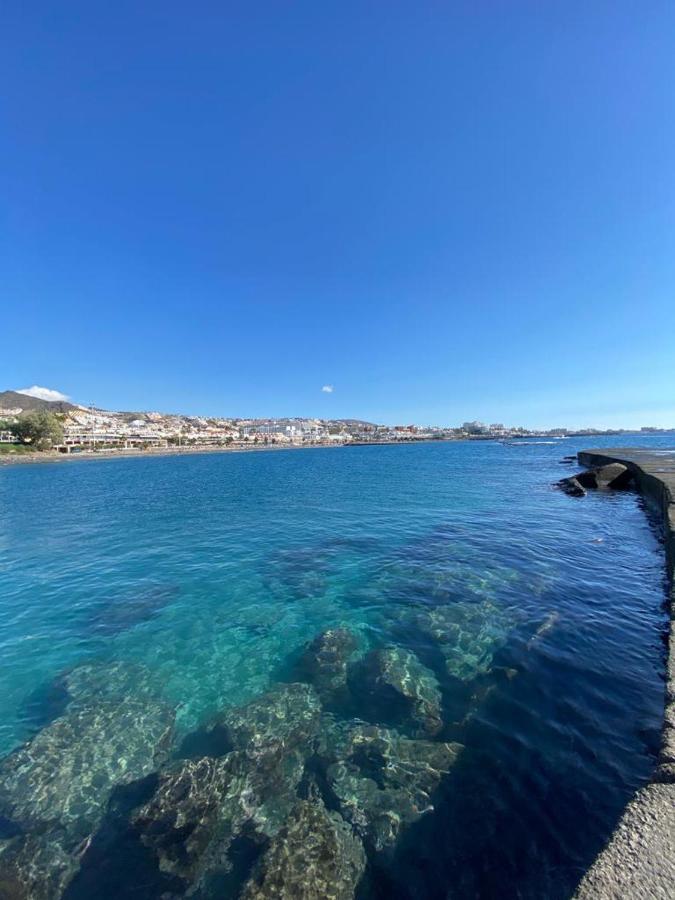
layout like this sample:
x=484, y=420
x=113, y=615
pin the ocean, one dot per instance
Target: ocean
x=447, y=671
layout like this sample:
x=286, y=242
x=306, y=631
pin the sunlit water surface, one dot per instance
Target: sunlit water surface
x=538, y=618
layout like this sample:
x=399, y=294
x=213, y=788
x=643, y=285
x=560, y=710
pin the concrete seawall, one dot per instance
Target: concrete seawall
x=639, y=860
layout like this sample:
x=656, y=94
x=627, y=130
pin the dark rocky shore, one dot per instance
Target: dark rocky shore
x=639, y=860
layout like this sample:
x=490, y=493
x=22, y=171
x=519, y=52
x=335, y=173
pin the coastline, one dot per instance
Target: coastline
x=50, y=456
x=639, y=859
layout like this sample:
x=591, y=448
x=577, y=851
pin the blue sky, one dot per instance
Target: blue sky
x=444, y=210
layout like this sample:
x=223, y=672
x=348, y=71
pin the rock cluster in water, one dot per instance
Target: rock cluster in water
x=614, y=476
x=288, y=796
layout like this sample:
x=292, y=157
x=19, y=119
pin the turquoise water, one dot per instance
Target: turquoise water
x=532, y=621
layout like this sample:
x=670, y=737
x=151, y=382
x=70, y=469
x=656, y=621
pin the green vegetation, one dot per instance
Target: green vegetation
x=12, y=449
x=40, y=430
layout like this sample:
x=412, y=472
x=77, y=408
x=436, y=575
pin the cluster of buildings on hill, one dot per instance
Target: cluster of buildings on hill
x=90, y=428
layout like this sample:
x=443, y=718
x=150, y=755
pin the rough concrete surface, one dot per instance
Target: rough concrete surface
x=639, y=860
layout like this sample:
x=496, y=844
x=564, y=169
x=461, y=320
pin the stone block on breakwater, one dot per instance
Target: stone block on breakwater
x=572, y=486
x=614, y=476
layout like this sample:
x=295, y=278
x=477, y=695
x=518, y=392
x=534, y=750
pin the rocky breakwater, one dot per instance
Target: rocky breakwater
x=639, y=860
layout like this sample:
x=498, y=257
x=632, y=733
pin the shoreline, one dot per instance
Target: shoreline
x=639, y=858
x=49, y=456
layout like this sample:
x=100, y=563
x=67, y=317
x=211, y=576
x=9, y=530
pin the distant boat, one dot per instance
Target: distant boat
x=525, y=441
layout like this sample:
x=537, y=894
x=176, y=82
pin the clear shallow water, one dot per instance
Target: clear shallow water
x=537, y=620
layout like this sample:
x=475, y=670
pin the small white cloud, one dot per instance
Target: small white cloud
x=328, y=388
x=43, y=393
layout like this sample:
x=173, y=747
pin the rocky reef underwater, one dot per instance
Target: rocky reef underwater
x=302, y=792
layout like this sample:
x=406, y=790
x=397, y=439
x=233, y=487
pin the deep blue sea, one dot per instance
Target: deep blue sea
x=528, y=626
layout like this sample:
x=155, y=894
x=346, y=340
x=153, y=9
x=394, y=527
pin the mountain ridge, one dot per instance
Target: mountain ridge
x=16, y=400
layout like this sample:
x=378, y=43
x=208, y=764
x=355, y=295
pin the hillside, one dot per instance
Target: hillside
x=15, y=400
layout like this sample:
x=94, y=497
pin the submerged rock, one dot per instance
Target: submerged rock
x=55, y=789
x=120, y=613
x=324, y=662
x=280, y=720
x=381, y=781
x=283, y=718
x=119, y=680
x=201, y=806
x=244, y=790
x=255, y=619
x=467, y=634
x=192, y=810
x=299, y=573
x=392, y=685
x=304, y=572
x=85, y=685
x=315, y=856
x=64, y=775
x=35, y=867
x=443, y=567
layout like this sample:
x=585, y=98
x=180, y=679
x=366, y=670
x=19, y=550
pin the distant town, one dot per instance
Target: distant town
x=89, y=428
